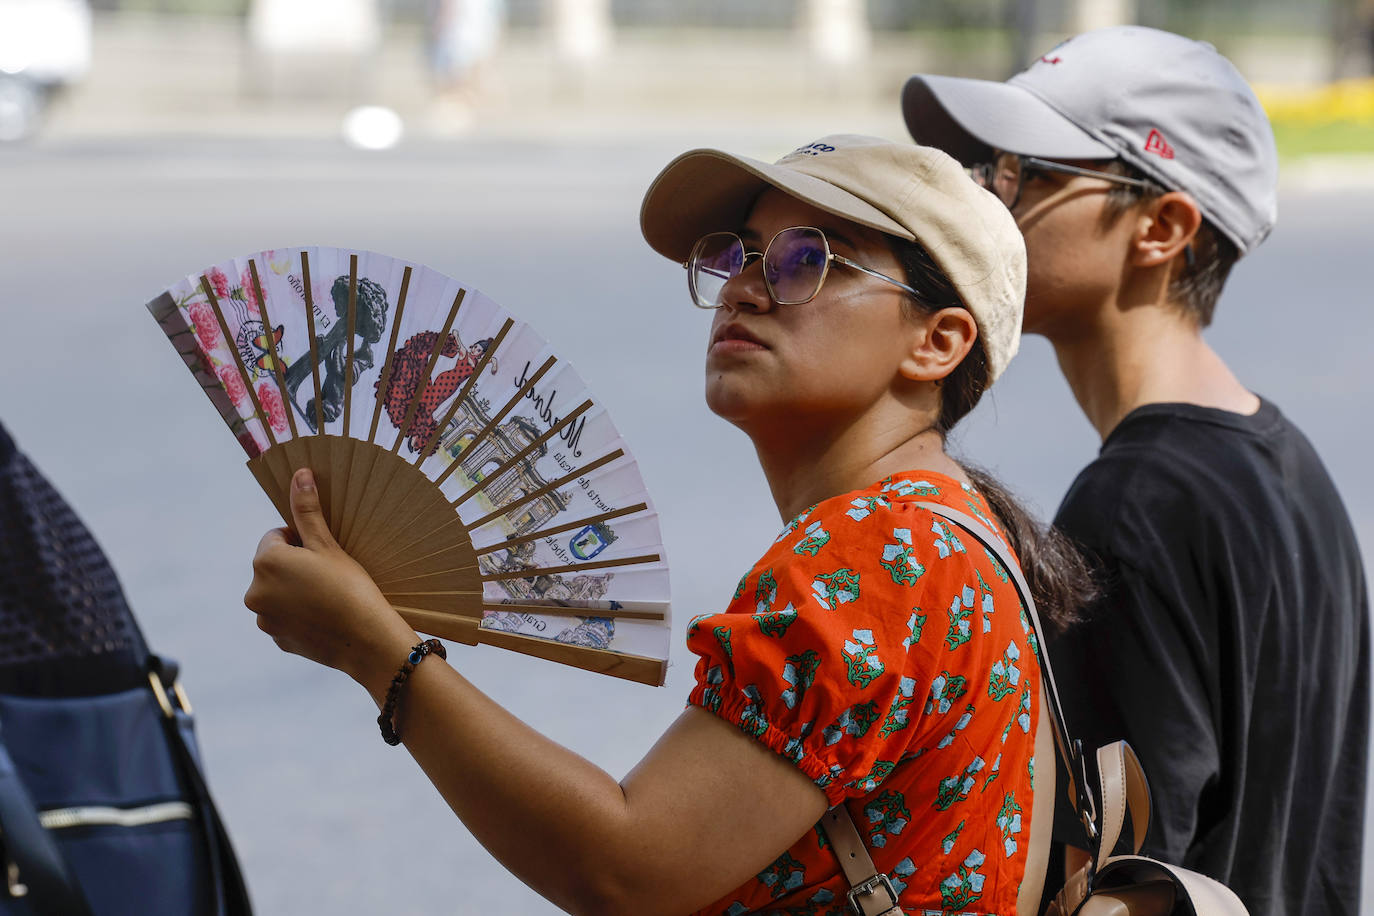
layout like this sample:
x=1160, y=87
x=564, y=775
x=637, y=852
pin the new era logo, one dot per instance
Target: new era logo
x=1050, y=60
x=1155, y=143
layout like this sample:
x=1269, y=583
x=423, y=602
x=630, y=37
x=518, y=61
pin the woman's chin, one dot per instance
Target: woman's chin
x=733, y=402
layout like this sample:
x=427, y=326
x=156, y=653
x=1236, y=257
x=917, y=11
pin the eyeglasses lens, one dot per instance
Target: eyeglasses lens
x=715, y=259
x=795, y=264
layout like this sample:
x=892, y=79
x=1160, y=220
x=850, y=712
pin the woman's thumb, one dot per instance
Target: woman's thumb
x=310, y=524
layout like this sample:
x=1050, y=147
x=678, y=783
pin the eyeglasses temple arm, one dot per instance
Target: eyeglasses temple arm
x=1050, y=166
x=873, y=273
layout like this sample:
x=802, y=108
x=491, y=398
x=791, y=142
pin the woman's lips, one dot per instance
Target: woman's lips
x=734, y=338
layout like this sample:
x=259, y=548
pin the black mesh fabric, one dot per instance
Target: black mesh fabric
x=65, y=627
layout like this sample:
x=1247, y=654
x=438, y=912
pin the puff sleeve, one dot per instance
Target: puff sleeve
x=820, y=654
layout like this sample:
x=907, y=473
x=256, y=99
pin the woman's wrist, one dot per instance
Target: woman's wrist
x=377, y=662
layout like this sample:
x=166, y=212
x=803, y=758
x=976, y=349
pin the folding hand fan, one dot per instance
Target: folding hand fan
x=458, y=459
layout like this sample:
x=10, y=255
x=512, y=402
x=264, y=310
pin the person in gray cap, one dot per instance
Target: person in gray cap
x=1231, y=644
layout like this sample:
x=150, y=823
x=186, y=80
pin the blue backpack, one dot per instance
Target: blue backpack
x=104, y=809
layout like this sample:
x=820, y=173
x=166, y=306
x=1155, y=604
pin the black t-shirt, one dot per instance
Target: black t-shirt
x=1231, y=649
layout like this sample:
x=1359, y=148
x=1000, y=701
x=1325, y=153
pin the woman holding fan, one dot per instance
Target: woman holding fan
x=874, y=660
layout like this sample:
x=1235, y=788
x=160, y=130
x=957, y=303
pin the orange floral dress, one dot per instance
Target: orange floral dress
x=884, y=652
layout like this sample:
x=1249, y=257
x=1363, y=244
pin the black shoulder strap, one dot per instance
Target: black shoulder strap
x=33, y=864
x=225, y=873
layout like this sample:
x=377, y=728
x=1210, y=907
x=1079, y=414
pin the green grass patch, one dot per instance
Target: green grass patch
x=1296, y=139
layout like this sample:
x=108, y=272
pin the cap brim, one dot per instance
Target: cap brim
x=967, y=118
x=707, y=190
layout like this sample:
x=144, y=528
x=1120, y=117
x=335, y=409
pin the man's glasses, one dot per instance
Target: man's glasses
x=795, y=265
x=1006, y=175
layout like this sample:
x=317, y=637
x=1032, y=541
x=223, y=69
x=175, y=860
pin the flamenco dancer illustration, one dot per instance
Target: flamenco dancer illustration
x=408, y=366
x=369, y=325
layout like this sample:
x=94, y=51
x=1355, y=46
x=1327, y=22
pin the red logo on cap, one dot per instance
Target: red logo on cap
x=1155, y=143
x=1051, y=60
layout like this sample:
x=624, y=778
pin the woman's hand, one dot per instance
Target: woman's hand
x=315, y=600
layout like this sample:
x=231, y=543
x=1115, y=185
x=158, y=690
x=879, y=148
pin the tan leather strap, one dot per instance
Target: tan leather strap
x=871, y=893
x=1070, y=751
x=1042, y=815
x=1124, y=789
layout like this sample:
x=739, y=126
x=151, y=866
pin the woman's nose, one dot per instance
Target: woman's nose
x=746, y=291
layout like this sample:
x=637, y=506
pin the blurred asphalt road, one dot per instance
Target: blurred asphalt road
x=328, y=819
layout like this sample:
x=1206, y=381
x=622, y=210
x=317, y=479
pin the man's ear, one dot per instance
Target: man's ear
x=939, y=343
x=1165, y=229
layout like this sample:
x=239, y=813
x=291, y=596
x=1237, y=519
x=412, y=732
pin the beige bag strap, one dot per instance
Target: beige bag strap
x=1124, y=789
x=1070, y=751
x=1042, y=815
x=871, y=892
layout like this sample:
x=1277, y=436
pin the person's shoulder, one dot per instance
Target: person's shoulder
x=1164, y=465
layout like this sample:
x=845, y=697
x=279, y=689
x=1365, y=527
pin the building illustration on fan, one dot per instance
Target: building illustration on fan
x=496, y=449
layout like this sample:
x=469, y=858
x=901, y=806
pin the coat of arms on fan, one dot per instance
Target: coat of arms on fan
x=458, y=458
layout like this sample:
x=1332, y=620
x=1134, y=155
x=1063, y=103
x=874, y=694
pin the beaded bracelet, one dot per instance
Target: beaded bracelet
x=386, y=721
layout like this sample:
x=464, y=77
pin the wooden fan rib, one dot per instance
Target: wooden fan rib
x=459, y=398
x=314, y=342
x=443, y=601
x=638, y=668
x=420, y=387
x=278, y=370
x=384, y=380
x=457, y=627
x=519, y=456
x=571, y=567
x=562, y=611
x=440, y=573
x=360, y=465
x=352, y=329
x=559, y=529
x=342, y=462
x=398, y=549
x=546, y=489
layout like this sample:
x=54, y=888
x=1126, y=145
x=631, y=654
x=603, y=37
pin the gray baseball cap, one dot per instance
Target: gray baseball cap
x=1170, y=106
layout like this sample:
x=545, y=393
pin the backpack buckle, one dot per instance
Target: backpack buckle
x=878, y=882
x=162, y=700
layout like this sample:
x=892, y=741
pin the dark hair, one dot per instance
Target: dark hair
x=1198, y=286
x=1058, y=575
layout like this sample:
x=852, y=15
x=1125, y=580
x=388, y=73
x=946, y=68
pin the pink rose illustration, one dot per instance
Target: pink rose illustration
x=250, y=292
x=272, y=406
x=233, y=384
x=206, y=325
x=219, y=281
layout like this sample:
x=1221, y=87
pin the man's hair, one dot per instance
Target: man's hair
x=1198, y=286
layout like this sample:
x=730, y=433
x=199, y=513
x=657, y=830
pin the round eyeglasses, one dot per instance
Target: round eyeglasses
x=795, y=264
x=1006, y=175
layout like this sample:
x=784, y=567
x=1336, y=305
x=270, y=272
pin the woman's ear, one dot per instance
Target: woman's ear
x=1165, y=229
x=939, y=342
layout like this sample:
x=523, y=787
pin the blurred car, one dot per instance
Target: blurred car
x=45, y=45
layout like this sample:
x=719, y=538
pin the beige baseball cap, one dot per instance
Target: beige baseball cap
x=912, y=192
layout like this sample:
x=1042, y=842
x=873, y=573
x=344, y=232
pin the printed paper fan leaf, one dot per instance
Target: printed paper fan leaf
x=459, y=459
